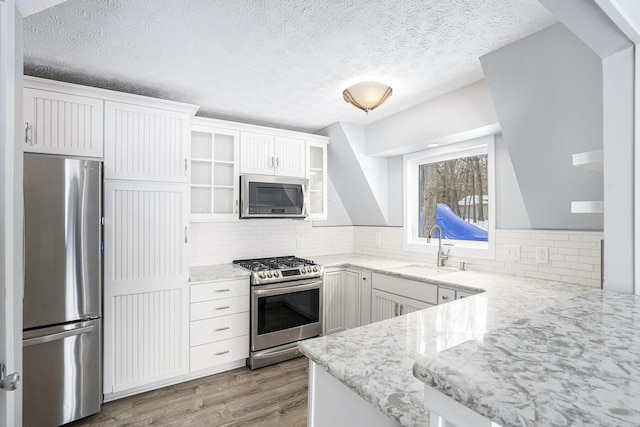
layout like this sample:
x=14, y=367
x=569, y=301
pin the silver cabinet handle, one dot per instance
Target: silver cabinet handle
x=396, y=311
x=277, y=162
x=26, y=133
x=272, y=161
x=226, y=307
x=185, y=166
x=221, y=329
x=221, y=353
x=186, y=236
x=236, y=211
x=401, y=308
x=222, y=290
x=8, y=382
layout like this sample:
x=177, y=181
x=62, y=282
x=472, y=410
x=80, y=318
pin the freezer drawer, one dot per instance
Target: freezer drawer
x=62, y=378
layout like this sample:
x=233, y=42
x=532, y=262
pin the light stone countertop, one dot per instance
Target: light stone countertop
x=576, y=363
x=376, y=361
x=205, y=273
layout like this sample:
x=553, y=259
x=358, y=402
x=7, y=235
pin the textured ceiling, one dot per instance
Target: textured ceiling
x=275, y=62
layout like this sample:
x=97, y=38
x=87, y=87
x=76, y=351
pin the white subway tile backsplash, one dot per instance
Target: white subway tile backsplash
x=574, y=256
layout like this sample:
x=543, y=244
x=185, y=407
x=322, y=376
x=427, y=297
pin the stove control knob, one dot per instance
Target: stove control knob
x=269, y=274
x=315, y=269
x=308, y=269
x=261, y=275
x=276, y=274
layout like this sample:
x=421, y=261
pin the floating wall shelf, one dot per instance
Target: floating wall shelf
x=593, y=160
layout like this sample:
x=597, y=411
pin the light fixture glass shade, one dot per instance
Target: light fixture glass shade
x=367, y=95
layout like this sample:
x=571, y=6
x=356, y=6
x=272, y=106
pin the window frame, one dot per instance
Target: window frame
x=411, y=163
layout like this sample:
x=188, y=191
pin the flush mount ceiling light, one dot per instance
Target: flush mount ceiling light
x=367, y=95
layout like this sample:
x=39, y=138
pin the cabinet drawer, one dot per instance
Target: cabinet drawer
x=446, y=295
x=217, y=290
x=464, y=294
x=219, y=328
x=218, y=353
x=420, y=291
x=217, y=308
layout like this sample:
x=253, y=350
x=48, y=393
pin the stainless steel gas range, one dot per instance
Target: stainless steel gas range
x=286, y=307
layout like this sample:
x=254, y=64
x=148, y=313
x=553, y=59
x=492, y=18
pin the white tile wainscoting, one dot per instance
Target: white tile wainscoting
x=574, y=256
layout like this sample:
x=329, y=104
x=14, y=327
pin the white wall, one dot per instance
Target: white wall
x=618, y=120
x=11, y=215
x=446, y=119
x=574, y=256
x=223, y=242
x=547, y=90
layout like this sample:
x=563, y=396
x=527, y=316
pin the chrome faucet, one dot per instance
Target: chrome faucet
x=441, y=255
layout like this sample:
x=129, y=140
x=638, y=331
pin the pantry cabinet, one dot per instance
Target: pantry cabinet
x=267, y=154
x=146, y=295
x=214, y=172
x=61, y=123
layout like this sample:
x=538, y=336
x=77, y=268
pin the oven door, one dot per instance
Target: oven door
x=285, y=312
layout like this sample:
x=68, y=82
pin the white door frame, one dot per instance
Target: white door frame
x=11, y=215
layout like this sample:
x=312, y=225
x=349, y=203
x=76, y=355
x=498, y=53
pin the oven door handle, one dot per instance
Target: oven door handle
x=287, y=289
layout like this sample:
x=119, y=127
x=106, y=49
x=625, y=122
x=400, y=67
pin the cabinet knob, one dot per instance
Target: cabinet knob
x=445, y=297
x=364, y=278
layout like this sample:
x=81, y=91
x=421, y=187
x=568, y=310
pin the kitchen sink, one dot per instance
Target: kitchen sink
x=422, y=271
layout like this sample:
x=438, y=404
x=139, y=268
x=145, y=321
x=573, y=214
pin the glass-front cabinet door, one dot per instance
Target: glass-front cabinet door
x=214, y=174
x=317, y=175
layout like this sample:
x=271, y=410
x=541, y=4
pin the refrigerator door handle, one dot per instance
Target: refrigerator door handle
x=57, y=336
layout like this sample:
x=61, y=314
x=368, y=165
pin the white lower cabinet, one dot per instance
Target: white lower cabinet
x=345, y=299
x=219, y=328
x=394, y=296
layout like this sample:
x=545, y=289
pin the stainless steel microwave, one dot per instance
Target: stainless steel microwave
x=263, y=196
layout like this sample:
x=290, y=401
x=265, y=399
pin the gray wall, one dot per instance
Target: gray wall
x=448, y=118
x=510, y=209
x=547, y=90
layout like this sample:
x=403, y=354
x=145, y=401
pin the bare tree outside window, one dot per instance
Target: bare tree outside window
x=452, y=192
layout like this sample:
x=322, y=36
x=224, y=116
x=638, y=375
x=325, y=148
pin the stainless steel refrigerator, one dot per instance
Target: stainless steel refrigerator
x=62, y=338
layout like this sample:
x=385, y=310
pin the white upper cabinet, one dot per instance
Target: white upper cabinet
x=317, y=176
x=146, y=143
x=214, y=172
x=61, y=123
x=290, y=157
x=266, y=154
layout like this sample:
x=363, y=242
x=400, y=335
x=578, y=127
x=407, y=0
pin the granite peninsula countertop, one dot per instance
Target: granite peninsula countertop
x=576, y=363
x=376, y=361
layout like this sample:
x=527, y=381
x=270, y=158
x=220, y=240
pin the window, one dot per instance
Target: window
x=451, y=187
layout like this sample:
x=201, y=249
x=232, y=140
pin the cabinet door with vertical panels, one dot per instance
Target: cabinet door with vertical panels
x=290, y=157
x=146, y=296
x=408, y=305
x=58, y=123
x=383, y=305
x=143, y=143
x=351, y=296
x=333, y=302
x=256, y=153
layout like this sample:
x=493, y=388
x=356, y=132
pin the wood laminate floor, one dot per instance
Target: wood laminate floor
x=272, y=396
